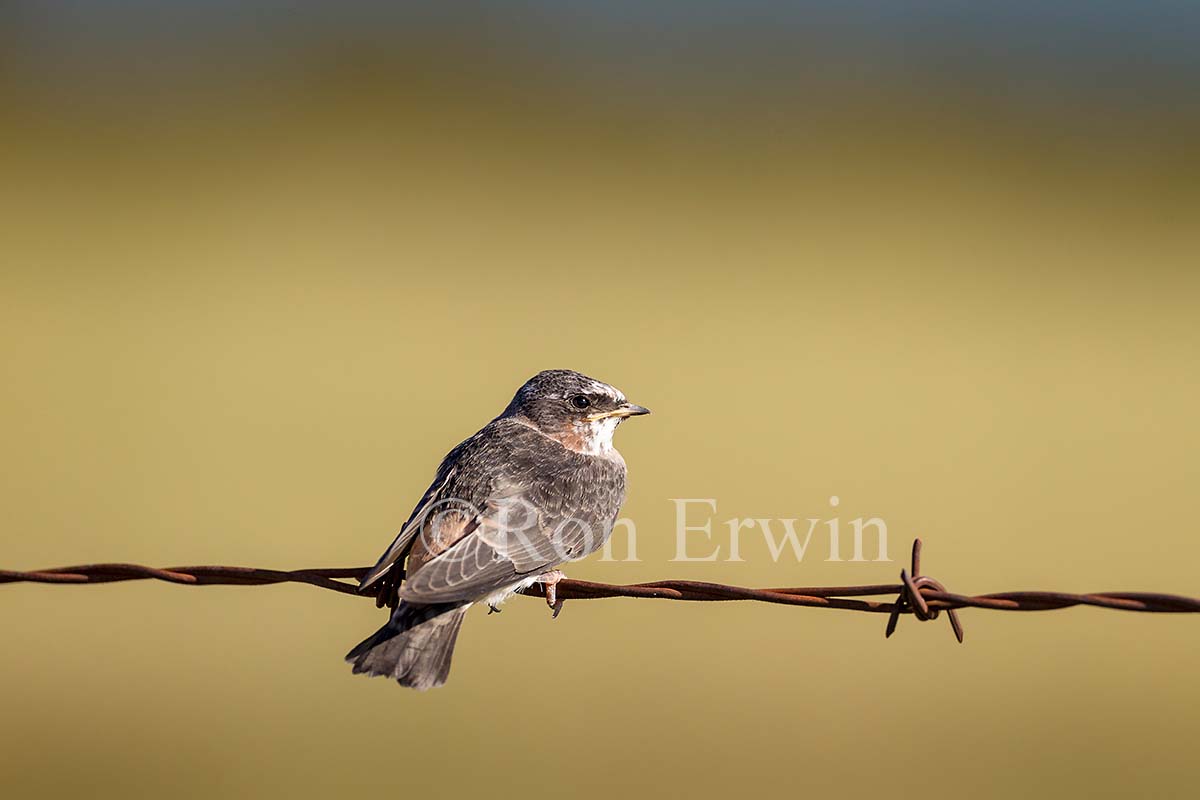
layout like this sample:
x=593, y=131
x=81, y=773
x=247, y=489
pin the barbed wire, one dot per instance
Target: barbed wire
x=918, y=595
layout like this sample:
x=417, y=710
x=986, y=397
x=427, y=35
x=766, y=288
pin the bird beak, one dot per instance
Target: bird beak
x=621, y=412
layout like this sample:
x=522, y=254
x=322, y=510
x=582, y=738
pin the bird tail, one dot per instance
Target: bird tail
x=414, y=647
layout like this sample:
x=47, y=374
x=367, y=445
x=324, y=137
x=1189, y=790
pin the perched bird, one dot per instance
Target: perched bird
x=539, y=485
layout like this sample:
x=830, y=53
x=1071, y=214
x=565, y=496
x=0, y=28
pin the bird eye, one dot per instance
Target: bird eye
x=580, y=402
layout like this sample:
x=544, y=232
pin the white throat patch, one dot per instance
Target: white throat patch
x=596, y=438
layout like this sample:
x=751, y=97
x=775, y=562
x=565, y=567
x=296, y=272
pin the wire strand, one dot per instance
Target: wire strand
x=917, y=595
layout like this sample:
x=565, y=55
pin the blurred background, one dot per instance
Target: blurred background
x=264, y=263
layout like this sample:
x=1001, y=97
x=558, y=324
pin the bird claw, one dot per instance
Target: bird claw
x=555, y=604
x=493, y=609
x=550, y=581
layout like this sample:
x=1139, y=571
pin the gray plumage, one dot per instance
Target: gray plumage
x=539, y=485
x=414, y=647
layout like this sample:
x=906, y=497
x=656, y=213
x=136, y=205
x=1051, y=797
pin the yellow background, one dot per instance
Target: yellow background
x=241, y=323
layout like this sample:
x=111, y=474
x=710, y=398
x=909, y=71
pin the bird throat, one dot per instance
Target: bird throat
x=590, y=438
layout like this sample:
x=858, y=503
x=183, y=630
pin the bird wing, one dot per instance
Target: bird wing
x=463, y=481
x=484, y=561
x=533, y=520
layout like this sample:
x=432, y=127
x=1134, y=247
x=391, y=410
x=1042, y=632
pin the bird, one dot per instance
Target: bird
x=539, y=485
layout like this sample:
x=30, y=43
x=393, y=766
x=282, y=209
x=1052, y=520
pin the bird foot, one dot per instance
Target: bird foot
x=550, y=580
x=493, y=609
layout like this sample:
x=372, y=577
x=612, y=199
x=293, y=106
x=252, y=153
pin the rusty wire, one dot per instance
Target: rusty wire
x=918, y=595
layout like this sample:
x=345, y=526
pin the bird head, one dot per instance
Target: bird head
x=581, y=413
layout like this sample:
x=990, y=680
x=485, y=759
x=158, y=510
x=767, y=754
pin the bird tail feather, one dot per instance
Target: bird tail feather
x=414, y=647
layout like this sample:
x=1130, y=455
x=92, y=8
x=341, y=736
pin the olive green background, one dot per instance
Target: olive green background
x=244, y=312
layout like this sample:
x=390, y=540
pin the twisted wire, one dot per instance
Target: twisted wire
x=916, y=595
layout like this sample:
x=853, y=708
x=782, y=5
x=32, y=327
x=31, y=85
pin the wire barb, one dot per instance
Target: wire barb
x=916, y=594
x=911, y=599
